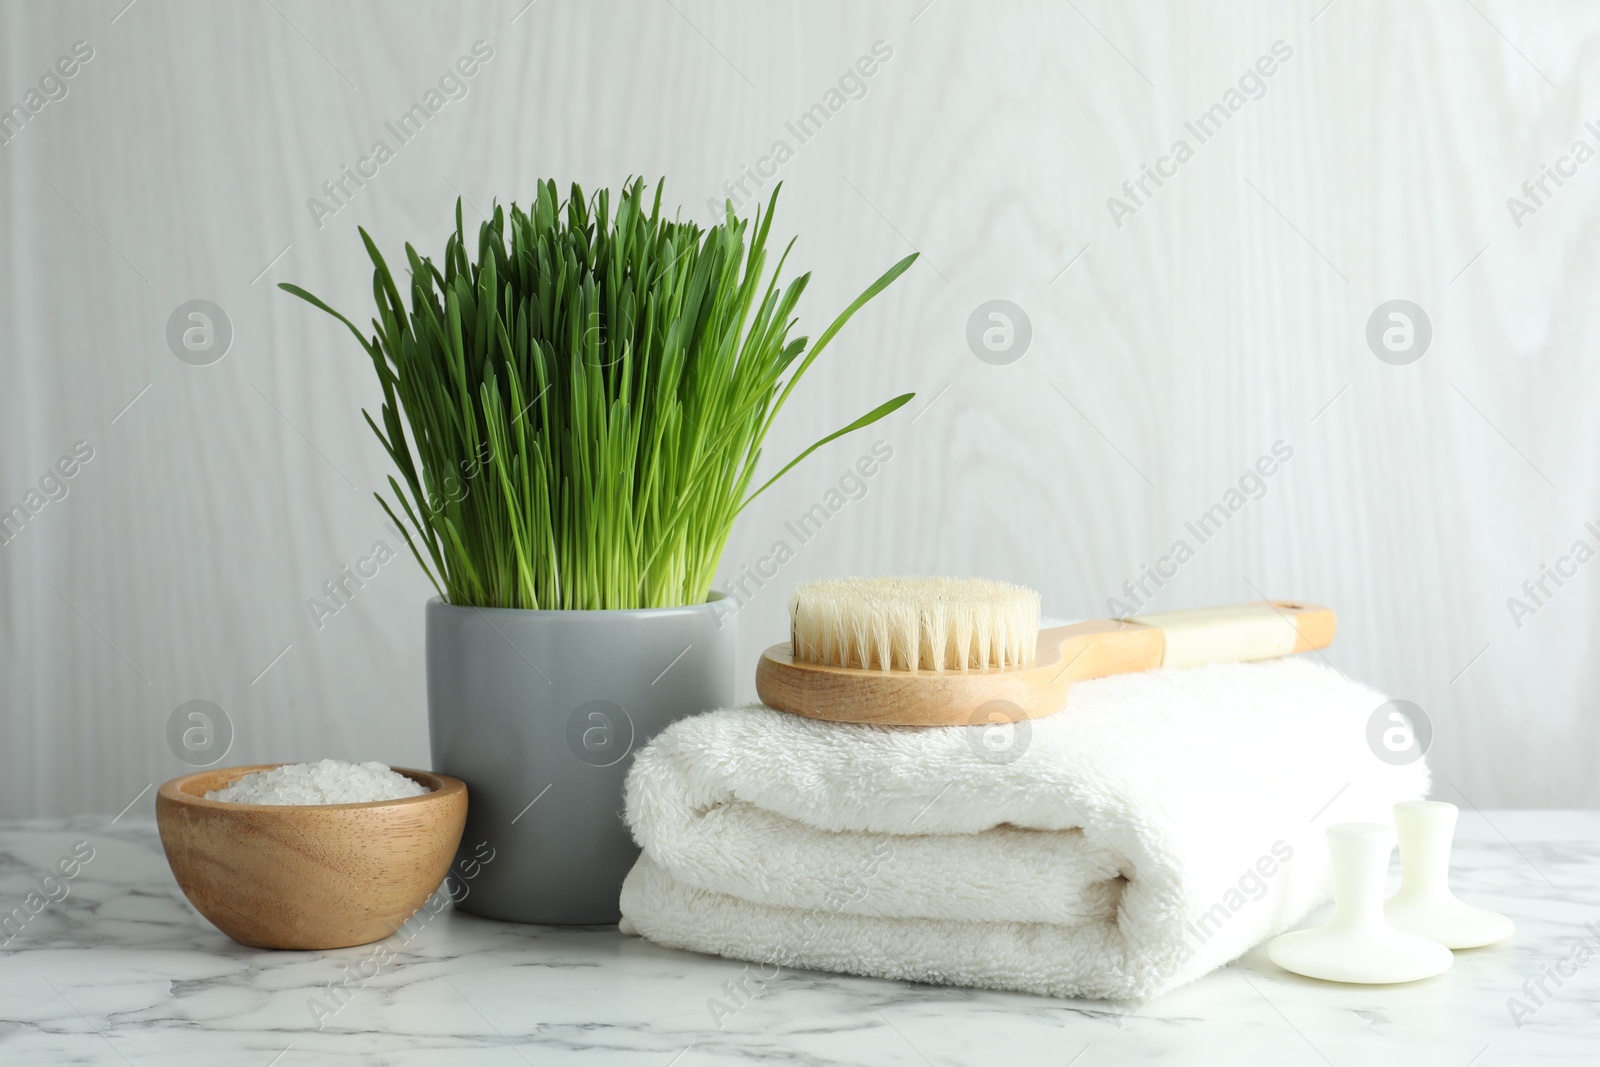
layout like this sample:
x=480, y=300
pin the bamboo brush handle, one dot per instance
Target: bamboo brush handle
x=1240, y=633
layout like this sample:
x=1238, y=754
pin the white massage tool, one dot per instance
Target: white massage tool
x=1358, y=944
x=1424, y=905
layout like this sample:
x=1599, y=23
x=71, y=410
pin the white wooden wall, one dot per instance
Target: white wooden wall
x=1168, y=353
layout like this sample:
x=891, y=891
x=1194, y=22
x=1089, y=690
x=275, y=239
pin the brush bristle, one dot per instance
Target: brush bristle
x=914, y=624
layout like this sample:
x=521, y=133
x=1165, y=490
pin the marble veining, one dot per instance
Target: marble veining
x=120, y=969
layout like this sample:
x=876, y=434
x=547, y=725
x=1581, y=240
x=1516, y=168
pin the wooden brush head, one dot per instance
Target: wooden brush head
x=914, y=624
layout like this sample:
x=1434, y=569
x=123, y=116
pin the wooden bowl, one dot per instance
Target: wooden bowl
x=310, y=876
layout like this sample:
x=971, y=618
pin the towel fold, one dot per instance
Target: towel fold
x=1157, y=828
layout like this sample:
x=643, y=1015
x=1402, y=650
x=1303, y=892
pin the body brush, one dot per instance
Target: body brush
x=934, y=651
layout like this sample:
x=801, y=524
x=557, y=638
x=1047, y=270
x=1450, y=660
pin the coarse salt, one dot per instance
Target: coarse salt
x=328, y=781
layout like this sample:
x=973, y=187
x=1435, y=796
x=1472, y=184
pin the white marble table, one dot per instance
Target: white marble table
x=122, y=970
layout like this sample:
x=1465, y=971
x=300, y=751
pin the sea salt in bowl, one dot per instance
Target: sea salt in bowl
x=308, y=876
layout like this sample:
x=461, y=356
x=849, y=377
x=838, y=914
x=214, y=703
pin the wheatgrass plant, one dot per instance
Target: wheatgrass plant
x=586, y=397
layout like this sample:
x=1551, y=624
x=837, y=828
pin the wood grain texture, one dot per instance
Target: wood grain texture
x=308, y=876
x=1064, y=655
x=1168, y=354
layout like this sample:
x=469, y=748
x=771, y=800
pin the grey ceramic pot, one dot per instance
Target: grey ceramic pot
x=540, y=712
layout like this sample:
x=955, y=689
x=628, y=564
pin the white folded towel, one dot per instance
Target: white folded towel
x=1157, y=828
